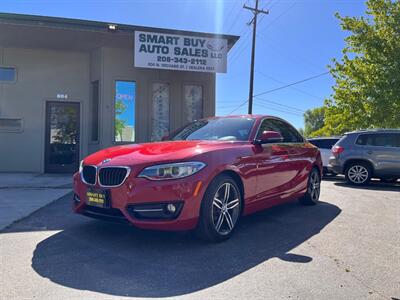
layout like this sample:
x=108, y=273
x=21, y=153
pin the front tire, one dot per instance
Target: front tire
x=311, y=197
x=220, y=211
x=358, y=173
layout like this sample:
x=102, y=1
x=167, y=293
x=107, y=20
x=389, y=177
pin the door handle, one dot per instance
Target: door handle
x=369, y=152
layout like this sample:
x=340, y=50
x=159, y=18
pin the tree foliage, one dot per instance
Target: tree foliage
x=313, y=120
x=367, y=89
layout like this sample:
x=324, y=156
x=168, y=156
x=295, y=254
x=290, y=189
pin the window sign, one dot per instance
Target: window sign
x=125, y=92
x=180, y=52
x=193, y=102
x=160, y=116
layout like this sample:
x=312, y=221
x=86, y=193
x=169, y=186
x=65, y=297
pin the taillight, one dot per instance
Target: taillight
x=337, y=150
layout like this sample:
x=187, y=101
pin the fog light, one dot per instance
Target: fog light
x=171, y=208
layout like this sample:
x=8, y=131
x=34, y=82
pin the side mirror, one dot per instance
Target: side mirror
x=165, y=138
x=268, y=137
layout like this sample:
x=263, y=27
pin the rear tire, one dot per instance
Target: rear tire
x=358, y=173
x=220, y=210
x=311, y=197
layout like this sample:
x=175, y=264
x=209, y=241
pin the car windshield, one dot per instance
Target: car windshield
x=218, y=129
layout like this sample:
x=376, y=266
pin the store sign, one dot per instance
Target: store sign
x=180, y=52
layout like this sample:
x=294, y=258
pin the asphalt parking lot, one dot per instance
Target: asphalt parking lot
x=348, y=247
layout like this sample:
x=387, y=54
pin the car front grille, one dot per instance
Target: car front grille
x=112, y=176
x=89, y=174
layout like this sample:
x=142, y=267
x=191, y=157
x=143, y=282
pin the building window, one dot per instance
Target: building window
x=8, y=74
x=124, y=123
x=94, y=109
x=160, y=113
x=193, y=107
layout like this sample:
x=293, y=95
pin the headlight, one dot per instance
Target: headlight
x=172, y=171
x=81, y=166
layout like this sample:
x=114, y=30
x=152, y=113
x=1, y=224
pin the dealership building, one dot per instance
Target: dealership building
x=71, y=87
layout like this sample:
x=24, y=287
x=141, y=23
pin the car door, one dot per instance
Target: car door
x=301, y=157
x=274, y=167
x=383, y=149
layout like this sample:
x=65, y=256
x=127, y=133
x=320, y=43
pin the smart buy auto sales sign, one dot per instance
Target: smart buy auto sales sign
x=180, y=52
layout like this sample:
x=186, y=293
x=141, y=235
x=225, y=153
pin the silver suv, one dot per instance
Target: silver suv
x=361, y=155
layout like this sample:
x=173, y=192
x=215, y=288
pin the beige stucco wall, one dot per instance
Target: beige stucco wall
x=43, y=73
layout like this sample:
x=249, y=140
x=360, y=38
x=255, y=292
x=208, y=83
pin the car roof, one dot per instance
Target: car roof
x=253, y=116
x=325, y=138
x=377, y=130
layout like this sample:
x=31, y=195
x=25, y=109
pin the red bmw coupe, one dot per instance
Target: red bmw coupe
x=204, y=176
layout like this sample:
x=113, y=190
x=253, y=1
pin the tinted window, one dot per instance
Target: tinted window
x=379, y=139
x=324, y=143
x=316, y=143
x=289, y=134
x=227, y=129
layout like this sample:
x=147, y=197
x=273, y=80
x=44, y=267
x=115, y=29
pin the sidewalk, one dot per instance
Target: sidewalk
x=21, y=194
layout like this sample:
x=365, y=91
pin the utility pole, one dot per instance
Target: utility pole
x=255, y=11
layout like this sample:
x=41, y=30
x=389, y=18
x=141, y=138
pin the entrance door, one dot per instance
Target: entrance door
x=62, y=137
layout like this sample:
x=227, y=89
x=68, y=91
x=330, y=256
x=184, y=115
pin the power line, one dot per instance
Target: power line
x=239, y=106
x=279, y=16
x=278, y=109
x=294, y=88
x=235, y=19
x=280, y=88
x=291, y=84
x=283, y=105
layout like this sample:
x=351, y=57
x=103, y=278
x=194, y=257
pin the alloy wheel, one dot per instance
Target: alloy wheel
x=358, y=174
x=226, y=208
x=314, y=186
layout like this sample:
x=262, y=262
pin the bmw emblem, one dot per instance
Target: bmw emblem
x=106, y=161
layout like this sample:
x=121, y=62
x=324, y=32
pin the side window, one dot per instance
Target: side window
x=289, y=134
x=395, y=137
x=316, y=143
x=362, y=139
x=379, y=140
x=328, y=143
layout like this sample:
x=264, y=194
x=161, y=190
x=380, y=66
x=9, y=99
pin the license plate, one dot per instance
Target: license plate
x=98, y=198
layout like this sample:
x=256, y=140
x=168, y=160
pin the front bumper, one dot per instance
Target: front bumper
x=140, y=192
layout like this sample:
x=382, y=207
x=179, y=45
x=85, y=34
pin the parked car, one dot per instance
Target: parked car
x=204, y=177
x=325, y=145
x=362, y=155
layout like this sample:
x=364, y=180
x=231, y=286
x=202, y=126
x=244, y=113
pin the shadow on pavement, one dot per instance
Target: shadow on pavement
x=124, y=261
x=374, y=184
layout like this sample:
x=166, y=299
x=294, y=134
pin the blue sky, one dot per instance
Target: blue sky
x=297, y=40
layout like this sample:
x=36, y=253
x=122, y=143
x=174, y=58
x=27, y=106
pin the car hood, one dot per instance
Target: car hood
x=157, y=152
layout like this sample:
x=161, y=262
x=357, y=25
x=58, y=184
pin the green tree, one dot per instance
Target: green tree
x=367, y=89
x=313, y=120
x=120, y=124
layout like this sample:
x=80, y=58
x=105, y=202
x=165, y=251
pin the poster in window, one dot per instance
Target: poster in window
x=193, y=102
x=160, y=115
x=125, y=111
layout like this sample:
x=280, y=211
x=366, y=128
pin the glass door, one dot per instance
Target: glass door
x=62, y=137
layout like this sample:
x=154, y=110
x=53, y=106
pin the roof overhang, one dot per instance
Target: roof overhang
x=73, y=34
